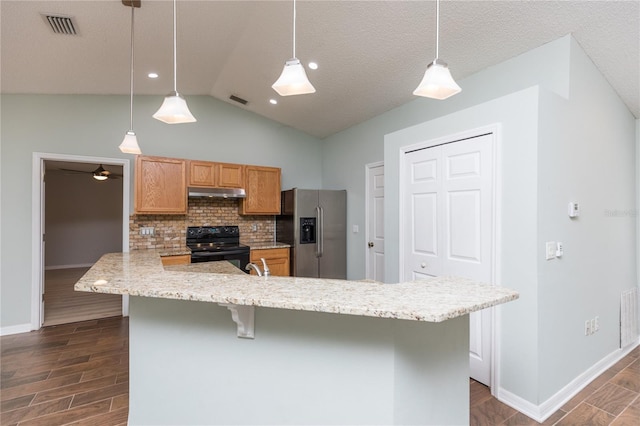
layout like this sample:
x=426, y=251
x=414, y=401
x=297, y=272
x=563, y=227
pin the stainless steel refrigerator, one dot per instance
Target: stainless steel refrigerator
x=314, y=223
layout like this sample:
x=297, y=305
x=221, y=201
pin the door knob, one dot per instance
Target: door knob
x=423, y=265
x=370, y=244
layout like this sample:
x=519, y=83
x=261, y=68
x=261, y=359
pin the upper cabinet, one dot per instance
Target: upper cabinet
x=216, y=175
x=160, y=185
x=263, y=191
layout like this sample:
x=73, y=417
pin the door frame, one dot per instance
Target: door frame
x=37, y=256
x=367, y=213
x=494, y=129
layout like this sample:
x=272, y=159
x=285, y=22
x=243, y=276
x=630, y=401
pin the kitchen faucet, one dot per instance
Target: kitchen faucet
x=256, y=268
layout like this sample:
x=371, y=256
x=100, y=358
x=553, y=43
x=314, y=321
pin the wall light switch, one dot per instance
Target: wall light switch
x=574, y=209
x=355, y=229
x=559, y=249
x=551, y=248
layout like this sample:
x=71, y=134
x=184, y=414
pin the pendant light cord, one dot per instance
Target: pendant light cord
x=437, y=28
x=131, y=91
x=175, y=56
x=294, y=28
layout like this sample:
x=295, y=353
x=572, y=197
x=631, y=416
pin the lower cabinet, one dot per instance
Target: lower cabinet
x=182, y=259
x=277, y=260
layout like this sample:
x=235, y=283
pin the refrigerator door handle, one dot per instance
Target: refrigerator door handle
x=318, y=231
x=321, y=231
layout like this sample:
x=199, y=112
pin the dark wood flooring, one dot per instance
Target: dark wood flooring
x=78, y=374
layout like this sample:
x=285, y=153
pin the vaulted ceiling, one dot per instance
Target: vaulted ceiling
x=371, y=54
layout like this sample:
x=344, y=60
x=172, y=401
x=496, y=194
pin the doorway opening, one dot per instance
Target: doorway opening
x=80, y=212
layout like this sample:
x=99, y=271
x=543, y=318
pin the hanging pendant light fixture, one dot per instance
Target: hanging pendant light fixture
x=437, y=82
x=174, y=109
x=293, y=80
x=130, y=143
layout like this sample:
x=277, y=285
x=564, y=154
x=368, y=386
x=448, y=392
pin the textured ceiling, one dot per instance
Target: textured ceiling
x=371, y=54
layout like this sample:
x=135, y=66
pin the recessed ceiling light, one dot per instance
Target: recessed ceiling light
x=273, y=101
x=313, y=65
x=152, y=75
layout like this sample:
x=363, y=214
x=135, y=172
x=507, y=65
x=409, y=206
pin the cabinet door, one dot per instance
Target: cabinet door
x=263, y=191
x=202, y=173
x=160, y=186
x=181, y=259
x=230, y=175
x=277, y=260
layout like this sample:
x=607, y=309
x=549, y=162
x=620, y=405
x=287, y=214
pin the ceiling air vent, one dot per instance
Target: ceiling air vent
x=238, y=99
x=60, y=24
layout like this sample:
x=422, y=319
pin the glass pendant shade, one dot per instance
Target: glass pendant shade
x=293, y=80
x=437, y=82
x=174, y=110
x=130, y=144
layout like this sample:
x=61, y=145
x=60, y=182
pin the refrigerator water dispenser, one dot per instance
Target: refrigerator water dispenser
x=307, y=230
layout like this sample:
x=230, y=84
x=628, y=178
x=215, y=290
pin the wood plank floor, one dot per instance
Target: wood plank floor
x=78, y=374
x=63, y=305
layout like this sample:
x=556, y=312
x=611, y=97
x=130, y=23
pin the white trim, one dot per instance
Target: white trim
x=15, y=329
x=37, y=180
x=542, y=412
x=367, y=219
x=496, y=145
x=79, y=265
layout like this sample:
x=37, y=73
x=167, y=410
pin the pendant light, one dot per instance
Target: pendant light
x=437, y=82
x=293, y=80
x=174, y=109
x=130, y=143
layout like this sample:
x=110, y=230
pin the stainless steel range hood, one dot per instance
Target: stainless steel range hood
x=217, y=192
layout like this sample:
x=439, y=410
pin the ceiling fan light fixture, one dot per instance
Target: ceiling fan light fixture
x=129, y=144
x=174, y=110
x=100, y=173
x=437, y=82
x=293, y=80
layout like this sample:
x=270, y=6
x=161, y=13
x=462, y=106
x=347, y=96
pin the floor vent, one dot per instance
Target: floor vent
x=628, y=317
x=60, y=24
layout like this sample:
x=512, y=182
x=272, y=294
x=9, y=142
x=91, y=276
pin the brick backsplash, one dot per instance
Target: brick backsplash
x=170, y=230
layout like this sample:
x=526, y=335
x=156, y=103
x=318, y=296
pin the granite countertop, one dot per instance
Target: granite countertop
x=219, y=267
x=271, y=245
x=140, y=273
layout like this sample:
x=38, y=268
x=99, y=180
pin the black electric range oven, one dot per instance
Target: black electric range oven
x=214, y=243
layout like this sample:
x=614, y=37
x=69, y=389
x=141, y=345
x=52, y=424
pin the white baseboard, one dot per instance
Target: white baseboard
x=15, y=329
x=542, y=412
x=79, y=265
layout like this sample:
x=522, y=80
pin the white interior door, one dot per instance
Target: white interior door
x=448, y=208
x=375, y=223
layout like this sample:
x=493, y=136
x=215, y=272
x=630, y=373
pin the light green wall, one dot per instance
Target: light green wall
x=347, y=153
x=564, y=134
x=95, y=126
x=586, y=153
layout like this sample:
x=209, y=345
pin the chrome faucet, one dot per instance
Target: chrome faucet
x=265, y=268
x=254, y=267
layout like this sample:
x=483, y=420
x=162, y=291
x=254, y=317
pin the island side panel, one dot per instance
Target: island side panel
x=188, y=367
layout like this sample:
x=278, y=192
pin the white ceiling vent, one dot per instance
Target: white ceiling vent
x=60, y=24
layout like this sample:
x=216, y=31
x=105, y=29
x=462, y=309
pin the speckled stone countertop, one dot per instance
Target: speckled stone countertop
x=140, y=273
x=174, y=251
x=272, y=245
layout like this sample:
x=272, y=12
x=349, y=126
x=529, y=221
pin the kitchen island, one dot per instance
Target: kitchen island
x=222, y=347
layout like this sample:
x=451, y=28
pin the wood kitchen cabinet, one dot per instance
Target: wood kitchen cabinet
x=216, y=175
x=160, y=185
x=180, y=259
x=277, y=260
x=263, y=191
